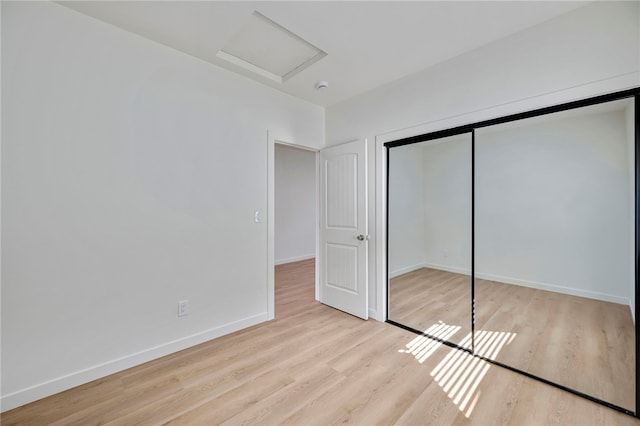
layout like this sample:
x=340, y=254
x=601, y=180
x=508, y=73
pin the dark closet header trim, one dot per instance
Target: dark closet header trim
x=637, y=246
x=467, y=128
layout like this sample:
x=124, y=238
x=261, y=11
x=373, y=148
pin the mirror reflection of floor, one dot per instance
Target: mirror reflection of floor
x=584, y=344
x=425, y=298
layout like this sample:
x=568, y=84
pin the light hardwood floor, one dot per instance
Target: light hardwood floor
x=584, y=344
x=315, y=365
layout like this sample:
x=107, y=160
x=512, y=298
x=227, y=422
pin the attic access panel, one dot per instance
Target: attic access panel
x=270, y=50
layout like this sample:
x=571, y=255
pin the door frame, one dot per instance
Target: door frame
x=272, y=140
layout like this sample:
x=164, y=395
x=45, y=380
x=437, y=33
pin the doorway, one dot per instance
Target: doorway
x=295, y=204
x=295, y=224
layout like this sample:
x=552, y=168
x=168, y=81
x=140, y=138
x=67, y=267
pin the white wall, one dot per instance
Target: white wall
x=551, y=204
x=430, y=206
x=295, y=204
x=130, y=177
x=599, y=41
x=592, y=50
x=447, y=204
x=406, y=210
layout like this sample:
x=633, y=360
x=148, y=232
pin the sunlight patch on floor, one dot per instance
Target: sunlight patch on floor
x=459, y=374
x=423, y=347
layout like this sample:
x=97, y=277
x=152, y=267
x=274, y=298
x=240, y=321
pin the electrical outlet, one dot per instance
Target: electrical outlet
x=445, y=253
x=183, y=308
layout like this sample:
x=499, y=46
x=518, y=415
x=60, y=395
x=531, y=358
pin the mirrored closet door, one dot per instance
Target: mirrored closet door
x=516, y=240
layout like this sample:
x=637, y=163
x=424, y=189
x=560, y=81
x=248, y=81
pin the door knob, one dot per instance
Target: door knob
x=361, y=237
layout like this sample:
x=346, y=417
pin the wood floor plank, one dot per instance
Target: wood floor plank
x=317, y=365
x=305, y=389
x=236, y=400
x=111, y=409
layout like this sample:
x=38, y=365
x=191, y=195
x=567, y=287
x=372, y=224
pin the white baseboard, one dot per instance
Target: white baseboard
x=33, y=393
x=556, y=288
x=294, y=259
x=447, y=268
x=405, y=270
x=373, y=314
x=533, y=284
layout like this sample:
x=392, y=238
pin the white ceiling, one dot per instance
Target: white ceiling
x=368, y=43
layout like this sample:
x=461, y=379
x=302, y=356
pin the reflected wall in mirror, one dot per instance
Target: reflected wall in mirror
x=555, y=247
x=429, y=229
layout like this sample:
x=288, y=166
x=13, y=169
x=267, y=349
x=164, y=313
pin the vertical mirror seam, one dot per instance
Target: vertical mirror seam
x=473, y=239
x=636, y=105
x=388, y=152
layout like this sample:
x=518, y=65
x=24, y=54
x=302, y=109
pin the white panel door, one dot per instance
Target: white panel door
x=343, y=228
